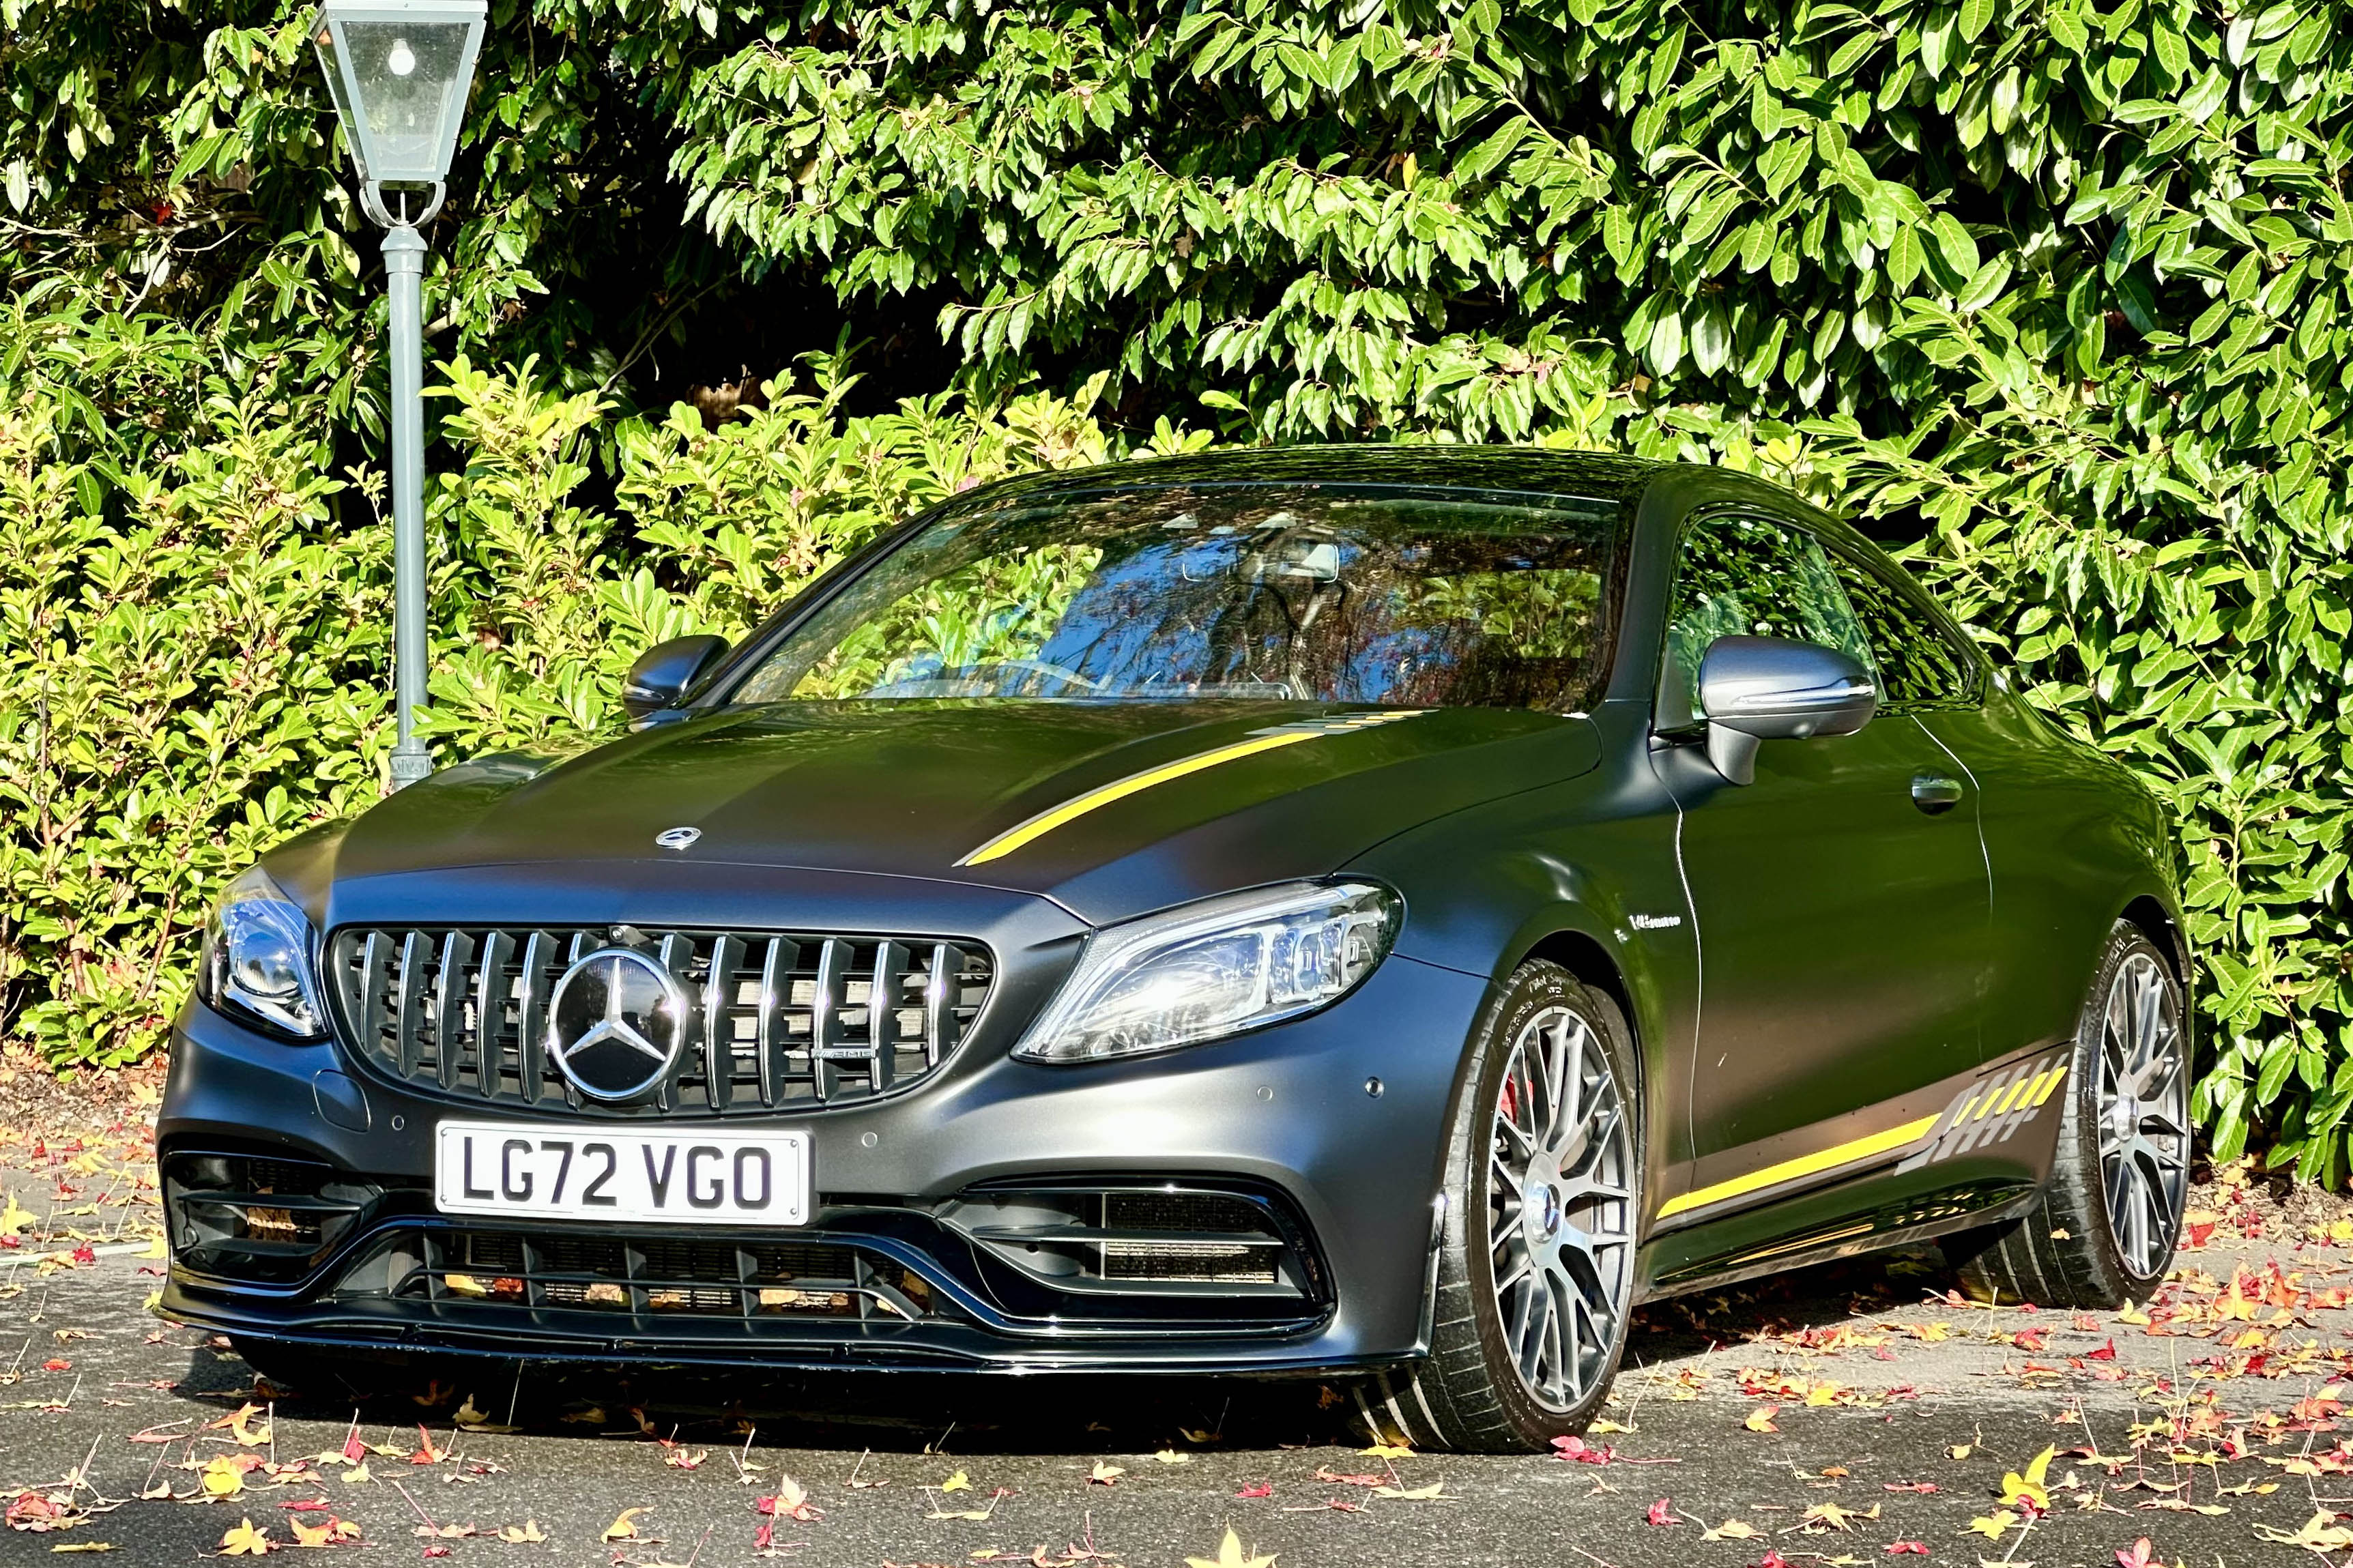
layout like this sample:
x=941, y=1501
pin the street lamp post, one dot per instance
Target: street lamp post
x=399, y=71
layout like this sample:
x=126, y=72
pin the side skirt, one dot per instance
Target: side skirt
x=1957, y=1209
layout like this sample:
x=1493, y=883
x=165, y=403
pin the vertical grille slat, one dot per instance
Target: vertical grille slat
x=450, y=990
x=491, y=987
x=776, y=990
x=375, y=976
x=776, y=1021
x=883, y=999
x=825, y=1017
x=538, y=978
x=718, y=1022
x=938, y=1002
x=409, y=990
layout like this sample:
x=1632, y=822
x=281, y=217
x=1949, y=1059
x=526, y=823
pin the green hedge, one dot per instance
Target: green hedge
x=2055, y=291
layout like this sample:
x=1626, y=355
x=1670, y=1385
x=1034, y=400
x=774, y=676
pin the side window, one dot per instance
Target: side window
x=1919, y=668
x=1748, y=576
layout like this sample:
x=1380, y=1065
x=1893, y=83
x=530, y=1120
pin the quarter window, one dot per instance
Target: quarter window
x=1748, y=576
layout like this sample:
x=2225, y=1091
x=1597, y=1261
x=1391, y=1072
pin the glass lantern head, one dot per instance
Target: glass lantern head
x=399, y=71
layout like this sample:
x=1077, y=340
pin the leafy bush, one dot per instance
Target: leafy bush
x=192, y=654
x=2056, y=292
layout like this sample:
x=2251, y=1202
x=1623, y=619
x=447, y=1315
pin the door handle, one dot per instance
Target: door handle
x=1934, y=793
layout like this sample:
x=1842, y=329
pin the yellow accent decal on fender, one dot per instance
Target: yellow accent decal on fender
x=2002, y=1107
x=2058, y=1077
x=1886, y=1143
x=1045, y=822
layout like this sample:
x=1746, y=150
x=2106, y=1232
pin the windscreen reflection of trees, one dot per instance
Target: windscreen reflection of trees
x=1300, y=595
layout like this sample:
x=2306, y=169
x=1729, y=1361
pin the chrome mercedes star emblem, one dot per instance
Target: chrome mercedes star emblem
x=677, y=837
x=615, y=1023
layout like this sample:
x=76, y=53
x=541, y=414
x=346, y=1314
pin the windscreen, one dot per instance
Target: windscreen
x=1304, y=593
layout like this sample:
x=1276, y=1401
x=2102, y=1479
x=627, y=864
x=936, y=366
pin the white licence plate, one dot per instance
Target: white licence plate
x=559, y=1173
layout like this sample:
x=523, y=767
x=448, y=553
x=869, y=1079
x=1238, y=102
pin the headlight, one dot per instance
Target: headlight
x=1215, y=968
x=256, y=959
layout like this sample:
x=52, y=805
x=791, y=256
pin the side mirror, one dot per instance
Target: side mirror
x=668, y=671
x=1777, y=688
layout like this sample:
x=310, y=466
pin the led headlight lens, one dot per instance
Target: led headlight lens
x=256, y=959
x=1215, y=968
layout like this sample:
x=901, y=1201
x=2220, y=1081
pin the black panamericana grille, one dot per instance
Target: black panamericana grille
x=779, y=1021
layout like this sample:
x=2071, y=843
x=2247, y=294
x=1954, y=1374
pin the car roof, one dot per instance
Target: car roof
x=1598, y=476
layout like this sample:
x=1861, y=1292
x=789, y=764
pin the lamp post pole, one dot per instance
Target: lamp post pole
x=399, y=71
x=404, y=266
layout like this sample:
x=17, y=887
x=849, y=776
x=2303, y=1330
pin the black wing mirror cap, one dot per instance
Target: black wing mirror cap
x=1778, y=688
x=668, y=671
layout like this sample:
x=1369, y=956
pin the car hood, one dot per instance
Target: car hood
x=1106, y=808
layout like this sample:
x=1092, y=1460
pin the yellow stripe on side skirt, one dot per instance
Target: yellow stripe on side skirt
x=1045, y=822
x=2058, y=1077
x=1886, y=1143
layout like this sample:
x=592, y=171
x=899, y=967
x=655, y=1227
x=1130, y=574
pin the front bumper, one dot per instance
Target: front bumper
x=1285, y=1117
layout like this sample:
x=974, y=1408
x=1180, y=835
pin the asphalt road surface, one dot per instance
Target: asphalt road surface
x=1849, y=1415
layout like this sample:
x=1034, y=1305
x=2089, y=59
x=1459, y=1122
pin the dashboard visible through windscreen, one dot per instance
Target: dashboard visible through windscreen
x=1307, y=592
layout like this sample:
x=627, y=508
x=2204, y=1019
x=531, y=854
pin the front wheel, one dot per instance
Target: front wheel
x=2104, y=1230
x=1537, y=1255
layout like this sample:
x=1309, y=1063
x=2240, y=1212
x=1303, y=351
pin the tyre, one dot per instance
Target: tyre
x=1535, y=1263
x=2104, y=1230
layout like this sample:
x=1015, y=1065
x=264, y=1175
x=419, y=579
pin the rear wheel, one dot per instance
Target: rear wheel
x=1537, y=1255
x=2104, y=1230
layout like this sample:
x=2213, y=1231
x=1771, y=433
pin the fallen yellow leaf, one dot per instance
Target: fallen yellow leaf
x=1231, y=1555
x=626, y=1527
x=244, y=1541
x=2321, y=1533
x=1434, y=1492
x=1761, y=1418
x=1991, y=1525
x=2029, y=1487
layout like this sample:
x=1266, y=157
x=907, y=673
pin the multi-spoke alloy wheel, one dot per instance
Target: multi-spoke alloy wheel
x=2143, y=1112
x=1536, y=1234
x=2102, y=1231
x=1561, y=1225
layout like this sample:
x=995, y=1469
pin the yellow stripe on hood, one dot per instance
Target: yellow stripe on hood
x=1045, y=822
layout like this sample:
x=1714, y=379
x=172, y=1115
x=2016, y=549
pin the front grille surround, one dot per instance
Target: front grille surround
x=780, y=1021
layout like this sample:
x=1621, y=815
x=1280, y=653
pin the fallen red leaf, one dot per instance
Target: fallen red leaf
x=1907, y=1548
x=1663, y=1513
x=2106, y=1352
x=56, y=1364
x=1577, y=1451
x=1256, y=1489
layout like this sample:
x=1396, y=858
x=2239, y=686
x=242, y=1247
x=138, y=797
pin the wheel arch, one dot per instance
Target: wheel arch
x=1582, y=954
x=2156, y=920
